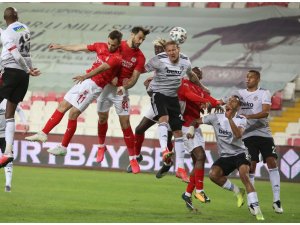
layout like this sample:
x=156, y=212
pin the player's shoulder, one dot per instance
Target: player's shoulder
x=263, y=90
x=184, y=57
x=162, y=55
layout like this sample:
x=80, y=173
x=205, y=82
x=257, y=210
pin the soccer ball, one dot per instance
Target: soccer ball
x=178, y=34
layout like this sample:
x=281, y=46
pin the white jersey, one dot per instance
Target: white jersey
x=168, y=76
x=16, y=35
x=228, y=144
x=251, y=104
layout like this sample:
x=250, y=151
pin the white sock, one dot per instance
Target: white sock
x=231, y=186
x=252, y=178
x=252, y=198
x=275, y=182
x=131, y=157
x=163, y=135
x=9, y=135
x=179, y=150
x=188, y=194
x=8, y=173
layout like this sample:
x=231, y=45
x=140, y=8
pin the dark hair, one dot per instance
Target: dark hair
x=137, y=29
x=255, y=72
x=115, y=34
x=10, y=13
x=171, y=42
x=238, y=98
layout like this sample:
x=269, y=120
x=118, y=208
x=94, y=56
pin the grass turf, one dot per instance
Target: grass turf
x=73, y=195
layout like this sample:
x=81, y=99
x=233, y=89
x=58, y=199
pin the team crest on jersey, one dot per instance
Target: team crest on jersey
x=133, y=59
x=255, y=98
x=19, y=28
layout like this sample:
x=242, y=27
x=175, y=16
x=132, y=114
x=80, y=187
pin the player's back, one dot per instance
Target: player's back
x=132, y=59
x=16, y=35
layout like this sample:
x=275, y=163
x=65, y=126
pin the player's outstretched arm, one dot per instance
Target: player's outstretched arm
x=73, y=48
x=99, y=69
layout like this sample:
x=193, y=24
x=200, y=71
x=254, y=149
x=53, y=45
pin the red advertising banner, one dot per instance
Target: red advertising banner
x=83, y=149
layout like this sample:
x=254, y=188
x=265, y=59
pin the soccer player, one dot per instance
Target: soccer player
x=78, y=98
x=193, y=99
x=169, y=67
x=257, y=136
x=133, y=61
x=229, y=128
x=9, y=167
x=16, y=61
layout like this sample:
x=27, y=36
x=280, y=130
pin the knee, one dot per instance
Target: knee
x=102, y=118
x=125, y=123
x=177, y=134
x=212, y=175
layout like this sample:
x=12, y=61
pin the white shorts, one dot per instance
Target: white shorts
x=149, y=114
x=109, y=97
x=190, y=144
x=83, y=94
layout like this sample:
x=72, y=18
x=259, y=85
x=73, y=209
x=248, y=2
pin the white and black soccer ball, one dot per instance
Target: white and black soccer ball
x=178, y=34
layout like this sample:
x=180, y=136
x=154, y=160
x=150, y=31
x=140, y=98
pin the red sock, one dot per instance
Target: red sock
x=72, y=125
x=138, y=141
x=129, y=140
x=170, y=146
x=191, y=185
x=199, y=177
x=102, y=129
x=53, y=121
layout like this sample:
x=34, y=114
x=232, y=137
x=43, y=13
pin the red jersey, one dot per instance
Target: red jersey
x=193, y=96
x=113, y=59
x=132, y=59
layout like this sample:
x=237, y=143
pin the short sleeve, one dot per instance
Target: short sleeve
x=209, y=119
x=152, y=64
x=140, y=63
x=92, y=47
x=266, y=98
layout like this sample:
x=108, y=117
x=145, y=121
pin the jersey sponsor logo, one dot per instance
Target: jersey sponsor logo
x=127, y=64
x=247, y=105
x=173, y=72
x=19, y=28
x=224, y=133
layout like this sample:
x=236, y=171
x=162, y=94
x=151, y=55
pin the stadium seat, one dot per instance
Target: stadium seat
x=109, y=3
x=173, y=4
x=239, y=5
x=289, y=91
x=294, y=5
x=20, y=127
x=25, y=105
x=160, y=4
x=213, y=5
x=122, y=3
x=282, y=4
x=199, y=5
x=252, y=4
x=27, y=96
x=37, y=96
x=186, y=4
x=297, y=81
x=226, y=5
x=280, y=138
x=147, y=4
x=293, y=128
x=276, y=101
x=50, y=96
x=134, y=4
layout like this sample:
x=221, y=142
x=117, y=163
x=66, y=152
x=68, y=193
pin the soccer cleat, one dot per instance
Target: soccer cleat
x=202, y=197
x=240, y=197
x=277, y=207
x=100, y=153
x=167, y=156
x=40, y=136
x=163, y=170
x=7, y=188
x=5, y=159
x=135, y=166
x=58, y=151
x=181, y=173
x=138, y=159
x=188, y=202
x=255, y=211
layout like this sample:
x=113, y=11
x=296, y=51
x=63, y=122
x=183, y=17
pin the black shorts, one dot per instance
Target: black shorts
x=164, y=105
x=229, y=164
x=14, y=85
x=263, y=145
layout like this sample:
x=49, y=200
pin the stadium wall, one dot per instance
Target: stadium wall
x=82, y=154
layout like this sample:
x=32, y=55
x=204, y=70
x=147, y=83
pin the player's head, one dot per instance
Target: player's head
x=138, y=35
x=114, y=40
x=10, y=15
x=172, y=50
x=197, y=70
x=252, y=79
x=234, y=103
x=159, y=45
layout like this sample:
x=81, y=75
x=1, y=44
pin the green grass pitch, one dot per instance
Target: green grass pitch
x=73, y=195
